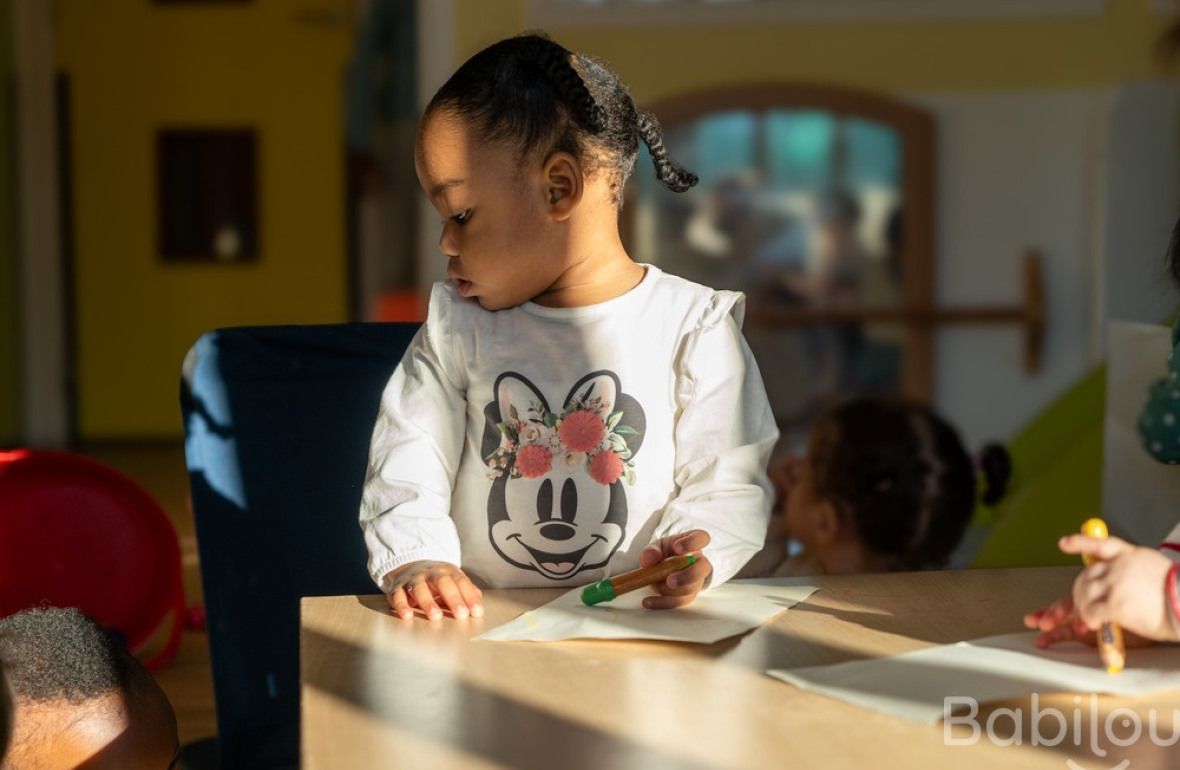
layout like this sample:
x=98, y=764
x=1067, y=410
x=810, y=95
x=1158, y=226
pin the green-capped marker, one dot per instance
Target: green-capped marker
x=602, y=591
x=605, y=590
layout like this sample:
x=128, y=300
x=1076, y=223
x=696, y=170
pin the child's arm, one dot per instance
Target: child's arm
x=1126, y=586
x=724, y=436
x=413, y=458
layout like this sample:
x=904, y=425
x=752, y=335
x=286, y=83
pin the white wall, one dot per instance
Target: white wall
x=1089, y=178
x=1141, y=202
x=1015, y=170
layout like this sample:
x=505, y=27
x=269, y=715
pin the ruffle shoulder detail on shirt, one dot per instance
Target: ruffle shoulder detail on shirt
x=722, y=305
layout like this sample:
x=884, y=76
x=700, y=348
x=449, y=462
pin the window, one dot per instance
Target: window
x=207, y=194
x=803, y=199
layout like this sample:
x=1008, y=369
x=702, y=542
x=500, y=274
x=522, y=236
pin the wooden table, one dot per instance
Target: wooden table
x=379, y=692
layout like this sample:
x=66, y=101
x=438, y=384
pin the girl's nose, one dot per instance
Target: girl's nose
x=446, y=242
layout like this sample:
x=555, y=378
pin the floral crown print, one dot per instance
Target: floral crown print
x=583, y=435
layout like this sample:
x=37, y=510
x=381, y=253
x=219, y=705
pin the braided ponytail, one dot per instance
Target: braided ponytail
x=668, y=173
x=995, y=465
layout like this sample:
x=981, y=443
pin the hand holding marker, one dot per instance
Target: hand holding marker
x=1110, y=636
x=606, y=590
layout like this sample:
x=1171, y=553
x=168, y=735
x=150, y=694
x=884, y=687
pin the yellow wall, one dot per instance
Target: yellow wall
x=135, y=66
x=9, y=328
x=893, y=56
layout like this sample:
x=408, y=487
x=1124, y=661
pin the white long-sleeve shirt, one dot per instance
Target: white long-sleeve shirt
x=544, y=446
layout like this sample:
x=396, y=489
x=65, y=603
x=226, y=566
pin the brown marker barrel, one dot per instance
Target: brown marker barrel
x=646, y=576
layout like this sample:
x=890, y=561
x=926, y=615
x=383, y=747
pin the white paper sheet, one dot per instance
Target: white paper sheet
x=729, y=609
x=915, y=684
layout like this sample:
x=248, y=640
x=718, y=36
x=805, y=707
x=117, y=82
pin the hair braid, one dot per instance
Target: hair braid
x=539, y=97
x=670, y=175
x=554, y=61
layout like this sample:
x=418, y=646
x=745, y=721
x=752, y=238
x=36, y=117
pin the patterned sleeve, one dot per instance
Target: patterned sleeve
x=1159, y=423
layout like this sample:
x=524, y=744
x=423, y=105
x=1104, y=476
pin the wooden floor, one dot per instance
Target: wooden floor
x=159, y=468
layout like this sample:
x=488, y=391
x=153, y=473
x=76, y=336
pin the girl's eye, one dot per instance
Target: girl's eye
x=462, y=217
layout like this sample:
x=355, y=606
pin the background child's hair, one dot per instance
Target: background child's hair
x=539, y=97
x=900, y=475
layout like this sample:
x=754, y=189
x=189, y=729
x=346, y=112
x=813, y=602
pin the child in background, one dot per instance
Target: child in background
x=885, y=485
x=81, y=699
x=564, y=414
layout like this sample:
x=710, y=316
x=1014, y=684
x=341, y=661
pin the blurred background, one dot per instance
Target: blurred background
x=944, y=198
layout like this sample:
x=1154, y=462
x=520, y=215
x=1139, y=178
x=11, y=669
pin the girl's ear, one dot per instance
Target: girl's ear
x=563, y=185
x=825, y=523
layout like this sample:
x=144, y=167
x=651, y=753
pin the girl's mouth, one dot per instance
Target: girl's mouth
x=464, y=287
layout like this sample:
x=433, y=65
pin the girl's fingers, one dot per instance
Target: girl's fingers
x=1066, y=632
x=653, y=554
x=1056, y=613
x=1091, y=583
x=667, y=602
x=1100, y=548
x=667, y=588
x=471, y=595
x=694, y=575
x=451, y=597
x=1093, y=609
x=399, y=604
x=425, y=600
x=428, y=588
x=693, y=540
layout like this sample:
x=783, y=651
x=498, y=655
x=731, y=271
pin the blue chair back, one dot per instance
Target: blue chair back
x=277, y=426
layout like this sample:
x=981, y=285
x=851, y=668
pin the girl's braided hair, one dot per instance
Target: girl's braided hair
x=540, y=98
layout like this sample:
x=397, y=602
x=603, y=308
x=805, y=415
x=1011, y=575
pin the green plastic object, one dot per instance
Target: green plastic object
x=1056, y=482
x=602, y=591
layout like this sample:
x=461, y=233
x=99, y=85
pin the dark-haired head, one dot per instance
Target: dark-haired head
x=539, y=98
x=899, y=479
x=80, y=695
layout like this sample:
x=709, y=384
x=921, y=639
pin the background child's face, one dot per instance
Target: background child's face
x=503, y=248
x=795, y=498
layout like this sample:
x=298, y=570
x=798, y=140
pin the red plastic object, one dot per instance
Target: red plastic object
x=401, y=306
x=75, y=533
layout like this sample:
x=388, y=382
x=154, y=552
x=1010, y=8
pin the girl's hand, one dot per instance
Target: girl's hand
x=1126, y=586
x=426, y=584
x=1059, y=623
x=679, y=588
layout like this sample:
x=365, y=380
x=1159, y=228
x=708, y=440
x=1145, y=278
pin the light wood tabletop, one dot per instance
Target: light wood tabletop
x=380, y=692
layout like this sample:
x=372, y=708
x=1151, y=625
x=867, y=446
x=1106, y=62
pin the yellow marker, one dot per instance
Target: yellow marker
x=1110, y=636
